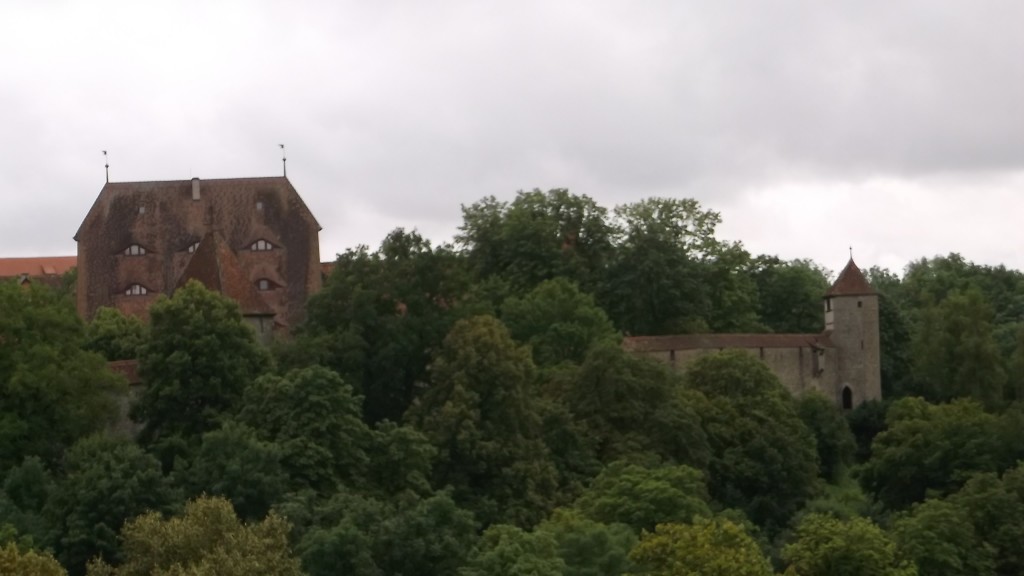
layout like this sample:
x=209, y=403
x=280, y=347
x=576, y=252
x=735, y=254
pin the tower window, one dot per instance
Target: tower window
x=142, y=209
x=136, y=290
x=828, y=304
x=859, y=304
x=259, y=205
x=263, y=285
x=261, y=246
x=847, y=398
x=134, y=250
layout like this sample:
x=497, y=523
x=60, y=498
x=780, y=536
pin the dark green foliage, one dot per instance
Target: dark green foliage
x=931, y=450
x=866, y=421
x=589, y=548
x=509, y=551
x=198, y=361
x=401, y=459
x=107, y=481
x=836, y=444
x=537, y=237
x=361, y=536
x=26, y=490
x=51, y=391
x=234, y=464
x=789, y=294
x=939, y=537
x=826, y=546
x=481, y=412
x=633, y=407
x=763, y=459
x=314, y=419
x=642, y=498
x=115, y=335
x=559, y=322
x=380, y=316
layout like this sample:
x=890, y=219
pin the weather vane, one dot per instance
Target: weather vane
x=284, y=161
x=106, y=166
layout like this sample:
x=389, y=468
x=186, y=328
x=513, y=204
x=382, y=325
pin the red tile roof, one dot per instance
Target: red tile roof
x=215, y=265
x=42, y=266
x=851, y=282
x=724, y=341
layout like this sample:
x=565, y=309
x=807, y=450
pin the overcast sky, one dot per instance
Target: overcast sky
x=894, y=127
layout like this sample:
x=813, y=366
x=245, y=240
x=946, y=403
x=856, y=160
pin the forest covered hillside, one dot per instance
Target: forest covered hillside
x=468, y=409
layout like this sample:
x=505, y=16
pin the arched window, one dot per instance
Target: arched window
x=264, y=285
x=192, y=247
x=134, y=250
x=136, y=290
x=847, y=398
x=261, y=246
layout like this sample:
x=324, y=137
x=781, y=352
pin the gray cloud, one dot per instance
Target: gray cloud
x=395, y=113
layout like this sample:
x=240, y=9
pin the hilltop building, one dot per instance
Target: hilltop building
x=252, y=239
x=47, y=270
x=842, y=362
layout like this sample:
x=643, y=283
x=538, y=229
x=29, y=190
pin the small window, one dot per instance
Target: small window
x=847, y=398
x=828, y=304
x=142, y=209
x=859, y=304
x=261, y=246
x=259, y=205
x=136, y=290
x=264, y=285
x=192, y=247
x=134, y=250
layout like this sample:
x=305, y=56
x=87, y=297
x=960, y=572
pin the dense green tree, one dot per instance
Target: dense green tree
x=26, y=490
x=589, y=548
x=536, y=237
x=401, y=459
x=705, y=548
x=827, y=546
x=939, y=538
x=656, y=277
x=199, y=359
x=207, y=540
x=634, y=407
x=314, y=417
x=233, y=463
x=360, y=536
x=559, y=322
x=509, y=551
x=642, y=498
x=15, y=562
x=51, y=391
x=481, y=412
x=789, y=294
x=732, y=293
x=836, y=444
x=931, y=450
x=764, y=459
x=115, y=335
x=107, y=482
x=995, y=507
x=379, y=317
x=955, y=352
x=866, y=421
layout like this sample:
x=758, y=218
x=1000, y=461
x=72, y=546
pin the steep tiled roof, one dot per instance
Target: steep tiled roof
x=724, y=341
x=215, y=265
x=851, y=282
x=42, y=266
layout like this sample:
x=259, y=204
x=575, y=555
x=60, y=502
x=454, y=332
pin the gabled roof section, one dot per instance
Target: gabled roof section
x=227, y=195
x=215, y=265
x=724, y=341
x=851, y=282
x=34, y=267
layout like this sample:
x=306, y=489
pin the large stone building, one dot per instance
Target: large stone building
x=843, y=362
x=252, y=239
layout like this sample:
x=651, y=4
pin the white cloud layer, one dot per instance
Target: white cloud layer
x=812, y=126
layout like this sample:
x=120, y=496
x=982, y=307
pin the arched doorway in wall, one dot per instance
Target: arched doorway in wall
x=847, y=398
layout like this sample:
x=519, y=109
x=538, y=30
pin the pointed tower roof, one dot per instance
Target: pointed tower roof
x=851, y=282
x=215, y=265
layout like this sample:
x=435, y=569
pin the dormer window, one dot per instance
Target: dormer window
x=261, y=246
x=264, y=285
x=192, y=247
x=136, y=290
x=134, y=250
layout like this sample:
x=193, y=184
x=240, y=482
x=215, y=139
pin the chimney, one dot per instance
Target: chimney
x=195, y=188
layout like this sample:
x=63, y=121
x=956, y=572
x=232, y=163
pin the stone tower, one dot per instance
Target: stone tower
x=851, y=321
